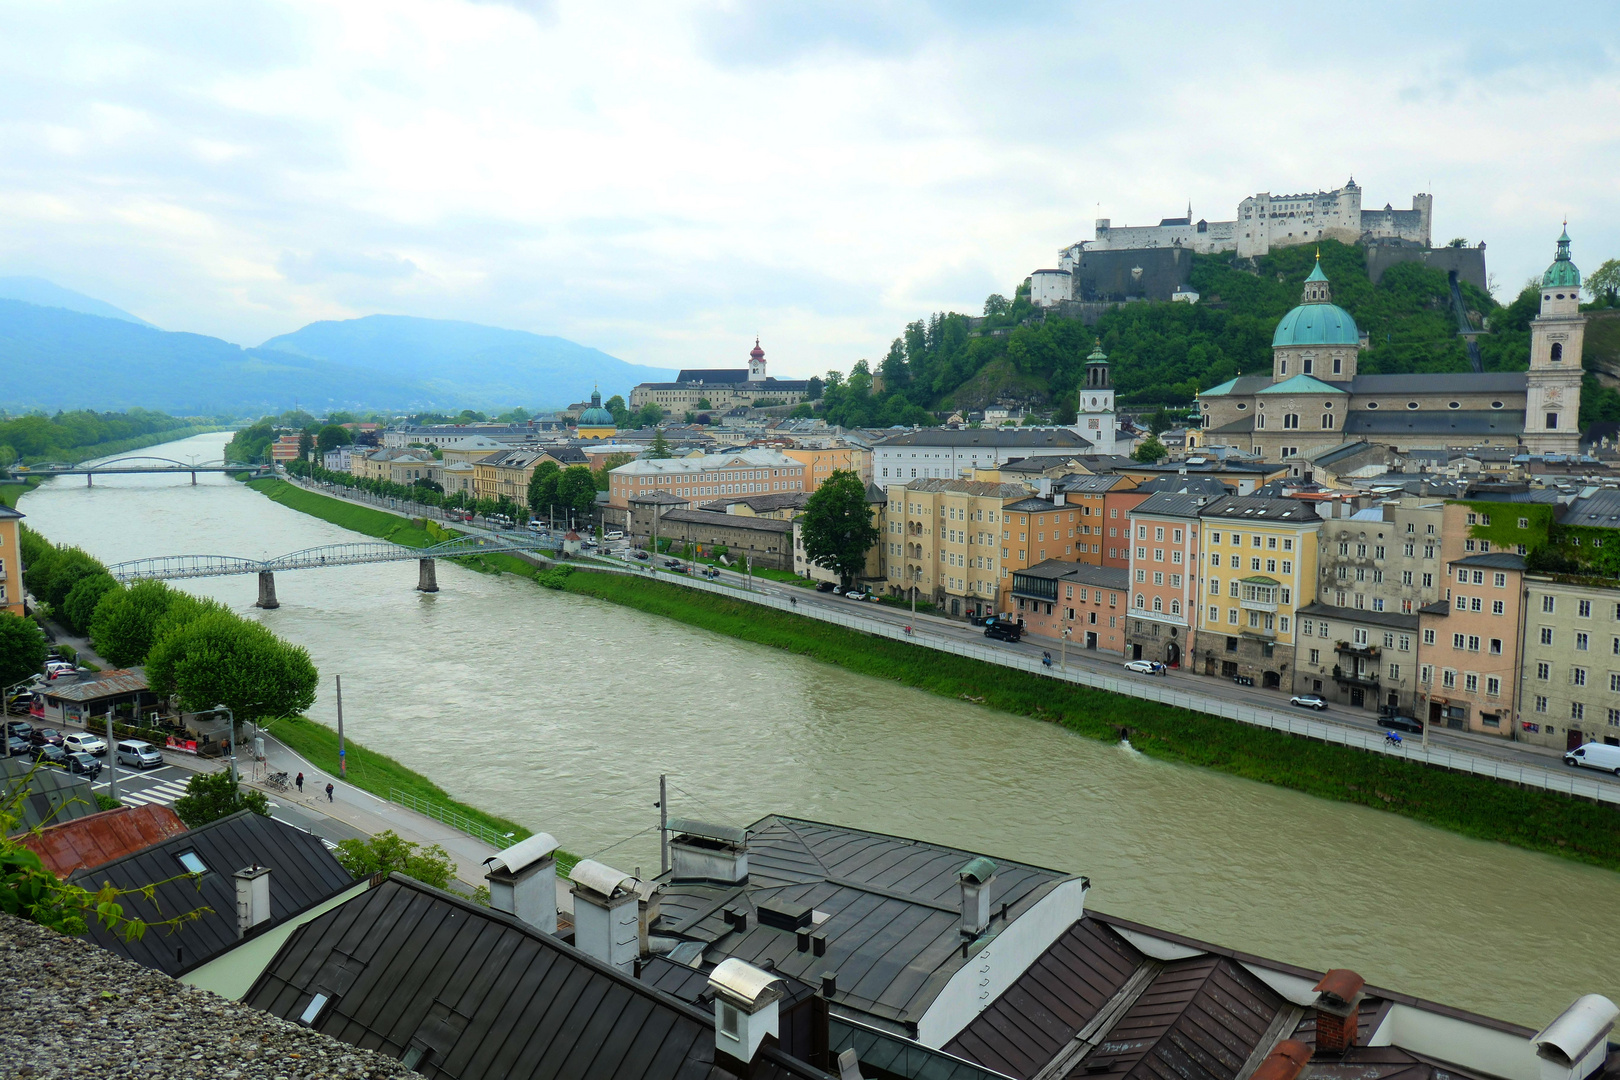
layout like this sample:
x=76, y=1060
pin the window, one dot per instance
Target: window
x=1541, y=703
x=1577, y=710
x=1547, y=604
x=312, y=1011
x=1546, y=635
x=1496, y=607
x=1496, y=646
x=1426, y=674
x=1394, y=671
x=1583, y=608
x=1543, y=671
x=194, y=865
x=1316, y=656
x=1448, y=679
x=1457, y=641
x=1581, y=641
x=1428, y=637
x=1471, y=683
x=1405, y=643
x=1577, y=676
x=1473, y=643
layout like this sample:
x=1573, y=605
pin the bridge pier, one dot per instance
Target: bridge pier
x=89, y=480
x=267, y=590
x=194, y=478
x=426, y=577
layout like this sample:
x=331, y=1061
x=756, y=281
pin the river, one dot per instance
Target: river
x=560, y=711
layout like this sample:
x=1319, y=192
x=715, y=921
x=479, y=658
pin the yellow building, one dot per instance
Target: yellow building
x=11, y=585
x=821, y=462
x=506, y=475
x=596, y=422
x=1258, y=568
x=942, y=537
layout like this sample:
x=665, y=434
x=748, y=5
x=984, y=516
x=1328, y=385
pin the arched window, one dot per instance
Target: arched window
x=1175, y=607
x=1291, y=420
x=1140, y=602
x=1259, y=420
x=1158, y=603
x=1557, y=351
x=1327, y=421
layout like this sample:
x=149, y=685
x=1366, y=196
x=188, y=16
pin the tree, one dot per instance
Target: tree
x=837, y=524
x=543, y=487
x=1150, y=450
x=660, y=447
x=126, y=620
x=802, y=411
x=1604, y=282
x=332, y=436
x=211, y=796
x=220, y=658
x=22, y=649
x=79, y=607
x=576, y=489
x=306, y=444
x=616, y=406
x=649, y=415
x=703, y=403
x=387, y=852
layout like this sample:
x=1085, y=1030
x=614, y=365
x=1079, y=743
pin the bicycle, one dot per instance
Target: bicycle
x=1392, y=739
x=279, y=781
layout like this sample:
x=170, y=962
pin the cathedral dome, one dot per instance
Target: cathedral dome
x=1316, y=321
x=596, y=416
x=1562, y=274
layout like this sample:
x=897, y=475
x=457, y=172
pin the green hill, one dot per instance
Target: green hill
x=1163, y=353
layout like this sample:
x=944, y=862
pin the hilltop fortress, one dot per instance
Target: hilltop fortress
x=1153, y=262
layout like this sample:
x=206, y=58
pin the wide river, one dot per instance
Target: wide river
x=561, y=712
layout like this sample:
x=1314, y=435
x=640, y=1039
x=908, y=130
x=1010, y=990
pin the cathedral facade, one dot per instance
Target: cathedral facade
x=1315, y=397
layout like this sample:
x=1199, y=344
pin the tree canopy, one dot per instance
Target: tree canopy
x=211, y=796
x=387, y=852
x=219, y=658
x=22, y=649
x=333, y=436
x=837, y=525
x=543, y=486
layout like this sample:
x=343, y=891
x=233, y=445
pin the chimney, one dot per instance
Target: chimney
x=1284, y=1062
x=523, y=881
x=745, y=1012
x=699, y=851
x=1043, y=486
x=606, y=914
x=1338, y=1006
x=1574, y=1046
x=252, y=899
x=974, y=880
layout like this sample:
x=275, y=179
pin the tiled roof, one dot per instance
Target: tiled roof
x=95, y=839
x=1236, y=508
x=1168, y=504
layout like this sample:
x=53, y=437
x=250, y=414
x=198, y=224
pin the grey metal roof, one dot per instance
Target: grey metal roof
x=1496, y=560
x=51, y=796
x=965, y=487
x=302, y=874
x=1435, y=422
x=1168, y=504
x=730, y=521
x=893, y=912
x=1236, y=508
x=1392, y=619
x=1187, y=485
x=1446, y=382
x=7, y=512
x=1026, y=438
x=1236, y=427
x=487, y=996
x=1083, y=482
x=1032, y=505
x=105, y=685
x=1599, y=510
x=1106, y=577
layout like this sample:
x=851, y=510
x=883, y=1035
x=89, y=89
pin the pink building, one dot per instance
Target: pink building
x=1163, y=530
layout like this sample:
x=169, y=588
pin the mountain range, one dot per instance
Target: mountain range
x=62, y=350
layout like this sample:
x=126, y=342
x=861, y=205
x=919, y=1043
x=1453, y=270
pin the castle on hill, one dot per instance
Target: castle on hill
x=721, y=388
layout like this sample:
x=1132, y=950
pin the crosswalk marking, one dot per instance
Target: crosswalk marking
x=162, y=792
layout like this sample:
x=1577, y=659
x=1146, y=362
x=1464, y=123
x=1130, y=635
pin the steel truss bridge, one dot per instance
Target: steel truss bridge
x=175, y=567
x=129, y=465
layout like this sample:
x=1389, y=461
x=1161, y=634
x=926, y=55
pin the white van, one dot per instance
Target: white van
x=1595, y=756
x=141, y=755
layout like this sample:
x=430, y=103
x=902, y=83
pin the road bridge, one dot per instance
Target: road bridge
x=133, y=465
x=178, y=567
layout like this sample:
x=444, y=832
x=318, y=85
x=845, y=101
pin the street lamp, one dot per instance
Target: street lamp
x=236, y=777
x=1063, y=649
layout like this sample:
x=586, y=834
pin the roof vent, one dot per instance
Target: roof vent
x=1574, y=1045
x=975, y=880
x=700, y=851
x=1338, y=1004
x=252, y=899
x=745, y=1012
x=606, y=914
x=523, y=881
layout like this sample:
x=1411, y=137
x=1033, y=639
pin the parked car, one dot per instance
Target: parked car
x=981, y=620
x=1595, y=756
x=83, y=765
x=1146, y=667
x=16, y=747
x=614, y=534
x=20, y=729
x=1401, y=723
x=838, y=590
x=1307, y=701
x=45, y=736
x=140, y=755
x=84, y=743
x=826, y=586
x=642, y=555
x=856, y=594
x=673, y=564
x=680, y=568
x=50, y=754
x=1004, y=631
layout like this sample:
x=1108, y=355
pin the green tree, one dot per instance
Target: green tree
x=219, y=658
x=543, y=487
x=616, y=406
x=126, y=620
x=838, y=527
x=576, y=489
x=306, y=445
x=211, y=796
x=1604, y=282
x=649, y=415
x=388, y=853
x=660, y=446
x=79, y=606
x=802, y=411
x=332, y=436
x=1150, y=450
x=22, y=649
x=703, y=403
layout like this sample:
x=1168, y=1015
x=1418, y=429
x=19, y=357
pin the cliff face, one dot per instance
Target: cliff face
x=1601, y=355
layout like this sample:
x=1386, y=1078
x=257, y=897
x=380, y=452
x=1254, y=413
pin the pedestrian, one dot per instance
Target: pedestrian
x=328, y=792
x=300, y=783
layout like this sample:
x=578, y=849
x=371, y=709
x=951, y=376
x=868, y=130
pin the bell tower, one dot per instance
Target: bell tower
x=1552, y=399
x=1094, y=411
x=756, y=363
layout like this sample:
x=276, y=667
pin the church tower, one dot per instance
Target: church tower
x=756, y=363
x=1094, y=411
x=1553, y=385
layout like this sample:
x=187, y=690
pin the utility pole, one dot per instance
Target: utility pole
x=1063, y=650
x=343, y=760
x=663, y=823
x=112, y=751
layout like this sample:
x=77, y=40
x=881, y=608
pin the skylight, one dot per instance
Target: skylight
x=192, y=863
x=313, y=1011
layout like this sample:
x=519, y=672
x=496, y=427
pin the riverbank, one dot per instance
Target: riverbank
x=1470, y=805
x=360, y=519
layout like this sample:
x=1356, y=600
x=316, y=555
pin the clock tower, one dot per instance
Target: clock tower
x=1552, y=400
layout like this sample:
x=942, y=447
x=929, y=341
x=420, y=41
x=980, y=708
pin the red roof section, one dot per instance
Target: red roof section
x=96, y=839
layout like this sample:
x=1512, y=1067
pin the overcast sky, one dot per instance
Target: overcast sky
x=665, y=180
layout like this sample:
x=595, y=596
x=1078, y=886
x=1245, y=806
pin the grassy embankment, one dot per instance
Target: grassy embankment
x=11, y=491
x=1471, y=805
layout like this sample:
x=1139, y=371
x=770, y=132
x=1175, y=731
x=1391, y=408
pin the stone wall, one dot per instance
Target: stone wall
x=1468, y=262
x=1112, y=276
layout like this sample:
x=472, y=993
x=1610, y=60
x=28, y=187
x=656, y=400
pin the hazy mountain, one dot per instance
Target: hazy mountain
x=33, y=290
x=495, y=366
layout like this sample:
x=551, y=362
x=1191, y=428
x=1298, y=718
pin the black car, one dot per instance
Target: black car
x=84, y=764
x=51, y=754
x=710, y=572
x=46, y=736
x=673, y=564
x=825, y=586
x=16, y=747
x=20, y=729
x=1401, y=723
x=1002, y=631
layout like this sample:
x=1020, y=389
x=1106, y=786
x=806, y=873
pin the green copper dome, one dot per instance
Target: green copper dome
x=1562, y=274
x=596, y=416
x=1097, y=355
x=1316, y=321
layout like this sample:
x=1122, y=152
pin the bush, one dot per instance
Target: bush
x=387, y=853
x=211, y=796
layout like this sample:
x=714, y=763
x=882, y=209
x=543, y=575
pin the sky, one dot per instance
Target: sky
x=664, y=181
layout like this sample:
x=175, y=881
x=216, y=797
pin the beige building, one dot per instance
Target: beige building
x=707, y=476
x=11, y=585
x=719, y=389
x=1569, y=689
x=1358, y=657
x=822, y=462
x=506, y=474
x=1385, y=559
x=380, y=465
x=942, y=537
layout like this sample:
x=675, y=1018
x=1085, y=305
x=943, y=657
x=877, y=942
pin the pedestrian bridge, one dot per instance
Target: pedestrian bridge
x=177, y=567
x=133, y=465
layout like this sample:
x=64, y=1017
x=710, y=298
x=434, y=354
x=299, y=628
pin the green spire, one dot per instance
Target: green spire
x=1562, y=274
x=1316, y=274
x=1097, y=355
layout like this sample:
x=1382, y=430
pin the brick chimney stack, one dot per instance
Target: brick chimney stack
x=1338, y=1007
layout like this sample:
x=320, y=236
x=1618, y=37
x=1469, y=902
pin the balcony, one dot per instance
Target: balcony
x=1355, y=678
x=1258, y=605
x=1368, y=651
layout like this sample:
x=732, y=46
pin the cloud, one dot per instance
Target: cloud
x=663, y=181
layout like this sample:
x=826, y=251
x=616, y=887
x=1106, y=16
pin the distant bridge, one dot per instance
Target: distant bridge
x=177, y=567
x=127, y=465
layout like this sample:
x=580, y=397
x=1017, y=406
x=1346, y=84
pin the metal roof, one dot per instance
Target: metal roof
x=964, y=487
x=302, y=874
x=104, y=685
x=717, y=519
x=1169, y=504
x=1599, y=510
x=1302, y=384
x=1235, y=508
x=1025, y=438
x=1393, y=619
x=1496, y=560
x=95, y=839
x=488, y=997
x=1441, y=382
x=50, y=795
x=1186, y=485
x=1435, y=422
x=1107, y=577
x=892, y=912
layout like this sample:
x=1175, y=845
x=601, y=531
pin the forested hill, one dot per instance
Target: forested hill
x=1163, y=353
